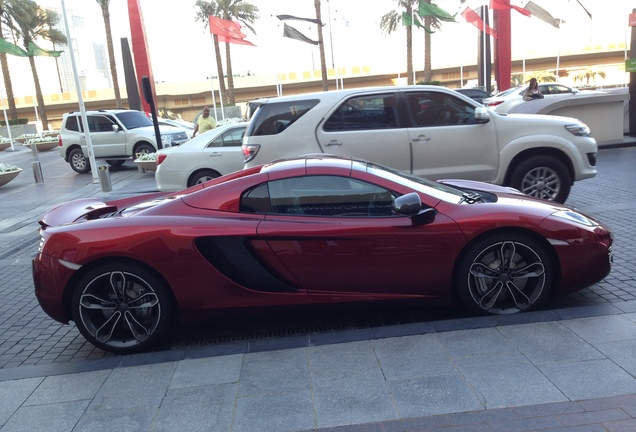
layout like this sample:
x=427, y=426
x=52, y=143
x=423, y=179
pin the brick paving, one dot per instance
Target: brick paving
x=29, y=338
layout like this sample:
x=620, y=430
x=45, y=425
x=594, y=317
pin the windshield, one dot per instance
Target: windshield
x=133, y=119
x=507, y=92
x=420, y=184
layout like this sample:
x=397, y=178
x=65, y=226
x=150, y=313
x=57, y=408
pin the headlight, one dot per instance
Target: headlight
x=578, y=129
x=575, y=217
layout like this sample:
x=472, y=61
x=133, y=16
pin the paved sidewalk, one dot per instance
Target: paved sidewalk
x=571, y=367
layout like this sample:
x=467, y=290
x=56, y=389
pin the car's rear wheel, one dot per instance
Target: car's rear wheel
x=78, y=161
x=202, y=176
x=121, y=308
x=543, y=177
x=504, y=274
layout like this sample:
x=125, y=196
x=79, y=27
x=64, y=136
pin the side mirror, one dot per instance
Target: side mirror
x=411, y=205
x=481, y=115
x=115, y=128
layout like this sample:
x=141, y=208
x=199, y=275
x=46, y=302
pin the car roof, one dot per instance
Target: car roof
x=335, y=95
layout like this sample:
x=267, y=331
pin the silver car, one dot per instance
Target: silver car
x=212, y=154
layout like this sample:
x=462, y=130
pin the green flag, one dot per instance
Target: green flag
x=9, y=48
x=427, y=9
x=408, y=20
x=35, y=50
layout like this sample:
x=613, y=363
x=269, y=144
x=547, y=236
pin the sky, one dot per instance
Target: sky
x=181, y=48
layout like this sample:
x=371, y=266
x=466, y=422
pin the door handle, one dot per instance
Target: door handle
x=216, y=154
x=422, y=138
x=333, y=143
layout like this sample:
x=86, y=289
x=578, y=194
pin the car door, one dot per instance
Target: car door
x=445, y=140
x=338, y=236
x=224, y=151
x=366, y=127
x=106, y=141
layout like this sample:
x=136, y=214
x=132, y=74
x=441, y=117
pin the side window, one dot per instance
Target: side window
x=363, y=113
x=71, y=123
x=103, y=124
x=230, y=138
x=256, y=200
x=439, y=109
x=329, y=196
x=273, y=118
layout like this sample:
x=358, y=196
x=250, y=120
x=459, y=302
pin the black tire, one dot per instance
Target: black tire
x=122, y=321
x=202, y=176
x=79, y=163
x=542, y=177
x=116, y=162
x=489, y=281
x=144, y=148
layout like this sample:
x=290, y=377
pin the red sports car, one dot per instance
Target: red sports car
x=306, y=231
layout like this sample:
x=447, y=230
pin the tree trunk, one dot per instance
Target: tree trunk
x=111, y=56
x=13, y=112
x=230, y=77
x=38, y=94
x=321, y=46
x=428, y=71
x=219, y=69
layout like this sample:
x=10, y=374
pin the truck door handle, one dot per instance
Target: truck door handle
x=423, y=138
x=333, y=143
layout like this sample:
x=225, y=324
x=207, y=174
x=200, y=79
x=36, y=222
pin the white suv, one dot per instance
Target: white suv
x=116, y=134
x=429, y=131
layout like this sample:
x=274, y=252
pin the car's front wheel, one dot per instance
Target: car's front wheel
x=202, y=176
x=504, y=274
x=78, y=161
x=543, y=177
x=144, y=148
x=122, y=308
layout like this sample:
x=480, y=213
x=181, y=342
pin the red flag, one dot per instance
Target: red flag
x=505, y=4
x=472, y=17
x=227, y=28
x=238, y=41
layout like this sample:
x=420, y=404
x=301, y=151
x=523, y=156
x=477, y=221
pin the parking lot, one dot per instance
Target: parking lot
x=30, y=338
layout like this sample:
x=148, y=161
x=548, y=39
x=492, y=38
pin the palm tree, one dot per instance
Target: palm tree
x=32, y=22
x=587, y=74
x=238, y=10
x=13, y=112
x=111, y=52
x=433, y=23
x=390, y=22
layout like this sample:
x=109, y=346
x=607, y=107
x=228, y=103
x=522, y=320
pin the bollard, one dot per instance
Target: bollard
x=37, y=172
x=34, y=149
x=104, y=178
x=139, y=167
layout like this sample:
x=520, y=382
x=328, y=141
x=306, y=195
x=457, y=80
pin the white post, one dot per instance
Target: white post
x=87, y=135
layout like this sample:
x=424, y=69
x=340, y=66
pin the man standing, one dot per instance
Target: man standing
x=204, y=122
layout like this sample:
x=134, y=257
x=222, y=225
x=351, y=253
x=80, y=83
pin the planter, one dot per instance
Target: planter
x=147, y=165
x=43, y=146
x=6, y=177
x=4, y=145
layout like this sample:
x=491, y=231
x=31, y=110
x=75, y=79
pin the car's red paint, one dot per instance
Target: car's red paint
x=212, y=254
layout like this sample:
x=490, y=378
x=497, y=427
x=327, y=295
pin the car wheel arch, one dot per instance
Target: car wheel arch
x=70, y=148
x=512, y=231
x=77, y=276
x=538, y=151
x=198, y=172
x=141, y=144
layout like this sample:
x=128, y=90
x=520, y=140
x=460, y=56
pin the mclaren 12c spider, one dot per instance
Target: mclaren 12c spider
x=308, y=230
